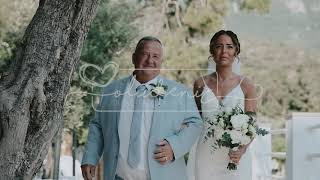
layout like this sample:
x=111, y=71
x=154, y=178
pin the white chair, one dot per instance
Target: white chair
x=303, y=154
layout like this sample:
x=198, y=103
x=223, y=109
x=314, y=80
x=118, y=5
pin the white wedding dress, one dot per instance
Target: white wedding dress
x=205, y=164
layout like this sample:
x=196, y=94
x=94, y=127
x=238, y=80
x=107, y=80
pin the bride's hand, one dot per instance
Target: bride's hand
x=235, y=156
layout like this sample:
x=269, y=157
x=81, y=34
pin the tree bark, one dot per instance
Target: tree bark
x=32, y=95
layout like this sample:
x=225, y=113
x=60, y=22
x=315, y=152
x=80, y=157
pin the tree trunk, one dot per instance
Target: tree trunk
x=32, y=95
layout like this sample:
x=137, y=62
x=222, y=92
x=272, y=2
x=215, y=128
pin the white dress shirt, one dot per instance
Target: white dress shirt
x=127, y=107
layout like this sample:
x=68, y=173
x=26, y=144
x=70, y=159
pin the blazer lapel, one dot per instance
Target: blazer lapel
x=121, y=90
x=159, y=105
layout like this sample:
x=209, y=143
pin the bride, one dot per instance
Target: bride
x=216, y=92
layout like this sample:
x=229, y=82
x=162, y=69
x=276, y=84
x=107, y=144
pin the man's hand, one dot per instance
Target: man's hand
x=163, y=152
x=88, y=171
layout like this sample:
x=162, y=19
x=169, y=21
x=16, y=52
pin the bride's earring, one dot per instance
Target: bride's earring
x=236, y=65
x=238, y=59
x=210, y=58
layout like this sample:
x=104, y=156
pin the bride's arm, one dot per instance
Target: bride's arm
x=250, y=104
x=250, y=94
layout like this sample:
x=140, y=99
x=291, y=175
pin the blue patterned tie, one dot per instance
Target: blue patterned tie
x=135, y=141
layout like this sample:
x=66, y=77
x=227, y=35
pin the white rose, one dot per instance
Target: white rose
x=244, y=131
x=235, y=149
x=211, y=118
x=159, y=90
x=214, y=119
x=228, y=109
x=239, y=120
x=236, y=136
x=218, y=133
x=245, y=140
x=252, y=129
x=244, y=128
x=221, y=124
x=254, y=118
x=226, y=115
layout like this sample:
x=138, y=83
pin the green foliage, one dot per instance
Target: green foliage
x=82, y=135
x=232, y=166
x=279, y=145
x=5, y=55
x=8, y=44
x=206, y=19
x=12, y=25
x=15, y=14
x=260, y=6
x=285, y=82
x=225, y=141
x=261, y=131
x=75, y=108
x=185, y=59
x=111, y=32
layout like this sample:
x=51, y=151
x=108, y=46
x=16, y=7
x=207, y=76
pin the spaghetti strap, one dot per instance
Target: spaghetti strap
x=204, y=82
x=241, y=79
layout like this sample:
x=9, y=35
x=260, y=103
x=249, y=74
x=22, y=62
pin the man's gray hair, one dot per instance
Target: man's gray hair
x=146, y=38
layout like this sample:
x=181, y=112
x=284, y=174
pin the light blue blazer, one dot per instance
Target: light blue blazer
x=177, y=107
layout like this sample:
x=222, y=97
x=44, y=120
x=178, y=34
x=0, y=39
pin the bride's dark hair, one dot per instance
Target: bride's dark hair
x=231, y=34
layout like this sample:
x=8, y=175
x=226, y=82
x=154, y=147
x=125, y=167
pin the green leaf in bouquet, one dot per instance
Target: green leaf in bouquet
x=253, y=117
x=232, y=166
x=225, y=140
x=251, y=113
x=210, y=133
x=236, y=110
x=261, y=131
x=234, y=145
x=214, y=147
x=250, y=134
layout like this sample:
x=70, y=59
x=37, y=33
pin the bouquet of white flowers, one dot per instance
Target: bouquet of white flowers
x=233, y=129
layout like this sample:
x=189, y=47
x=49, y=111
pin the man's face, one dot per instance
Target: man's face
x=148, y=58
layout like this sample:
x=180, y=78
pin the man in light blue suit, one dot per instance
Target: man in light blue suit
x=138, y=125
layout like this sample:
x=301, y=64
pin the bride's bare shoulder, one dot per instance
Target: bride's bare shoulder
x=248, y=87
x=200, y=82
